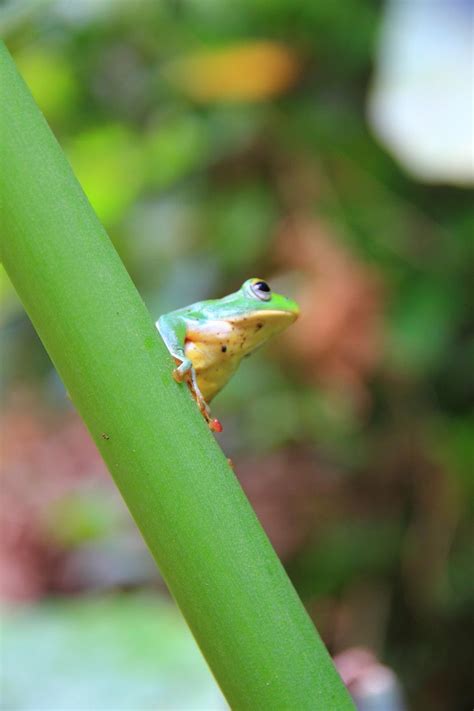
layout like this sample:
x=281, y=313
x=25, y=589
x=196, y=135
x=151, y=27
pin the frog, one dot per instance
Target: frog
x=209, y=339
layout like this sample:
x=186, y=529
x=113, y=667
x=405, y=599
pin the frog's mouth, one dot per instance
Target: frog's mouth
x=258, y=320
x=250, y=331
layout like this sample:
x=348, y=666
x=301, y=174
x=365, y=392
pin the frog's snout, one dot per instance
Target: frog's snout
x=293, y=309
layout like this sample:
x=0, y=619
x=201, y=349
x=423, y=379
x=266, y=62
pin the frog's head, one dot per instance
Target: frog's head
x=257, y=313
x=259, y=297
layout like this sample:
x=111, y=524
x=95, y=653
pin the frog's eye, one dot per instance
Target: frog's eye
x=261, y=290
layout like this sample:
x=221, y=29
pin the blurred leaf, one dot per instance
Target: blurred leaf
x=344, y=552
x=51, y=80
x=452, y=442
x=330, y=30
x=421, y=322
x=175, y=148
x=240, y=223
x=458, y=588
x=108, y=162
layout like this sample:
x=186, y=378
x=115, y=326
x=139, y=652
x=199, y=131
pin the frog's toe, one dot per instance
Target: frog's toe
x=215, y=426
x=180, y=373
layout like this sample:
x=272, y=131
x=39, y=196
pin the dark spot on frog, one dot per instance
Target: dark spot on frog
x=258, y=326
x=224, y=349
x=105, y=435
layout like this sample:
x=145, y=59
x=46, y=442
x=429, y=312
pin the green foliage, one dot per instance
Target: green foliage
x=349, y=551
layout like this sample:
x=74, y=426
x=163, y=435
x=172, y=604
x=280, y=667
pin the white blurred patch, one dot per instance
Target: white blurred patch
x=421, y=105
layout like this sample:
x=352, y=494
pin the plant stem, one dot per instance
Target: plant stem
x=198, y=524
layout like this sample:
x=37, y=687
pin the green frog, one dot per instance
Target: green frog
x=209, y=338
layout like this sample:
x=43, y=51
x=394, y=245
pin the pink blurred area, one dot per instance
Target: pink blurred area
x=46, y=457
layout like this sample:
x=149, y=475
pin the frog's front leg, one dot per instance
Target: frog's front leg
x=172, y=329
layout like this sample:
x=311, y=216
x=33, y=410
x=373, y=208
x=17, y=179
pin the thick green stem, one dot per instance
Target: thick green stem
x=214, y=556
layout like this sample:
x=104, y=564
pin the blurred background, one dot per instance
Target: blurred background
x=328, y=148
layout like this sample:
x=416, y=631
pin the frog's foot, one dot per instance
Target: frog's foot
x=213, y=423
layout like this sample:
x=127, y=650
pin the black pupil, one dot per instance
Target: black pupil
x=262, y=286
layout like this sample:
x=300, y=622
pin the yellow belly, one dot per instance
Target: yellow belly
x=213, y=367
x=216, y=348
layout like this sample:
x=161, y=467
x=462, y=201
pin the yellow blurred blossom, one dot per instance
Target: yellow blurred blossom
x=248, y=71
